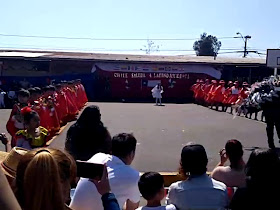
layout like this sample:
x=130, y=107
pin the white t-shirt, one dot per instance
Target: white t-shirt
x=168, y=207
x=200, y=192
x=123, y=181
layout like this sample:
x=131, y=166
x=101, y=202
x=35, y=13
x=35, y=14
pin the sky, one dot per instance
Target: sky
x=139, y=19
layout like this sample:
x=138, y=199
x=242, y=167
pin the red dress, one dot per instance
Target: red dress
x=243, y=94
x=13, y=125
x=80, y=100
x=61, y=107
x=218, y=94
x=198, y=91
x=234, y=96
x=227, y=95
x=54, y=121
x=210, y=95
x=72, y=107
x=206, y=91
x=84, y=95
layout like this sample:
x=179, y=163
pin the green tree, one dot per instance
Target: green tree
x=207, y=45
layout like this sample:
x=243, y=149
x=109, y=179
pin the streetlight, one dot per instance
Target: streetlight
x=245, y=41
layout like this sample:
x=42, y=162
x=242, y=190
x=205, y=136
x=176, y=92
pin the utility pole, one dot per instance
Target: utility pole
x=245, y=39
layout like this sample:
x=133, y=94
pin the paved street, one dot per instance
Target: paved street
x=162, y=131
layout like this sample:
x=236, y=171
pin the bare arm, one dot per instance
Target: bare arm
x=223, y=157
x=7, y=198
x=6, y=142
x=131, y=206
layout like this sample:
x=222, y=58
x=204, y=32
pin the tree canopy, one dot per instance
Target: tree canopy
x=207, y=45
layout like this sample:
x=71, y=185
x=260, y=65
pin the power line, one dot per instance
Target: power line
x=104, y=39
x=103, y=49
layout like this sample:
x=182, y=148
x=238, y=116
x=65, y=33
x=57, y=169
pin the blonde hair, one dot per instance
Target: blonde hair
x=39, y=177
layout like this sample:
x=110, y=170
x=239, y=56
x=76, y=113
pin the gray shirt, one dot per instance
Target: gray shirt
x=201, y=192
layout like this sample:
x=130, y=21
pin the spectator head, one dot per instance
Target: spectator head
x=151, y=186
x=38, y=92
x=234, y=151
x=31, y=91
x=9, y=162
x=51, y=89
x=23, y=96
x=263, y=168
x=58, y=86
x=88, y=135
x=44, y=173
x=31, y=118
x=124, y=146
x=45, y=89
x=193, y=160
x=33, y=94
x=90, y=115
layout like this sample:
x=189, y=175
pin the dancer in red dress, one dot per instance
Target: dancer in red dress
x=209, y=98
x=199, y=92
x=206, y=89
x=194, y=89
x=61, y=105
x=81, y=94
x=234, y=95
x=227, y=95
x=218, y=95
x=15, y=122
x=72, y=107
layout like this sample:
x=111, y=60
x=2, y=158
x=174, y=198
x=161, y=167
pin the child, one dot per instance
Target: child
x=33, y=135
x=15, y=122
x=151, y=186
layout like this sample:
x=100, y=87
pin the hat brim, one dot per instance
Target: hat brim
x=3, y=155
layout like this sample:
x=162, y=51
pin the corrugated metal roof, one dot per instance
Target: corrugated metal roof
x=132, y=58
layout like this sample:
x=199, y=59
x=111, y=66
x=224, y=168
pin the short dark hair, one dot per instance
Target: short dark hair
x=51, y=88
x=23, y=93
x=123, y=144
x=234, y=151
x=38, y=90
x=31, y=90
x=263, y=166
x=28, y=116
x=150, y=184
x=194, y=159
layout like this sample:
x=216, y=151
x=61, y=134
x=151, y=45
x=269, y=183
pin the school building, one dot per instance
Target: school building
x=129, y=77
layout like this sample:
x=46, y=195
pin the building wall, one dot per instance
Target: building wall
x=24, y=68
x=107, y=85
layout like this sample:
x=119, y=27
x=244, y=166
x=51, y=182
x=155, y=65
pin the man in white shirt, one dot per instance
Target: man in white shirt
x=123, y=179
x=199, y=191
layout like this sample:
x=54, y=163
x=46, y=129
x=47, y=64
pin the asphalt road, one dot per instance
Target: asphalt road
x=161, y=132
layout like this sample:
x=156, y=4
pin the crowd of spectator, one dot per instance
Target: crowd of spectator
x=42, y=178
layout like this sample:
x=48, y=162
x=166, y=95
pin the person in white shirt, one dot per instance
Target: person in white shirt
x=156, y=93
x=199, y=191
x=123, y=178
x=151, y=186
